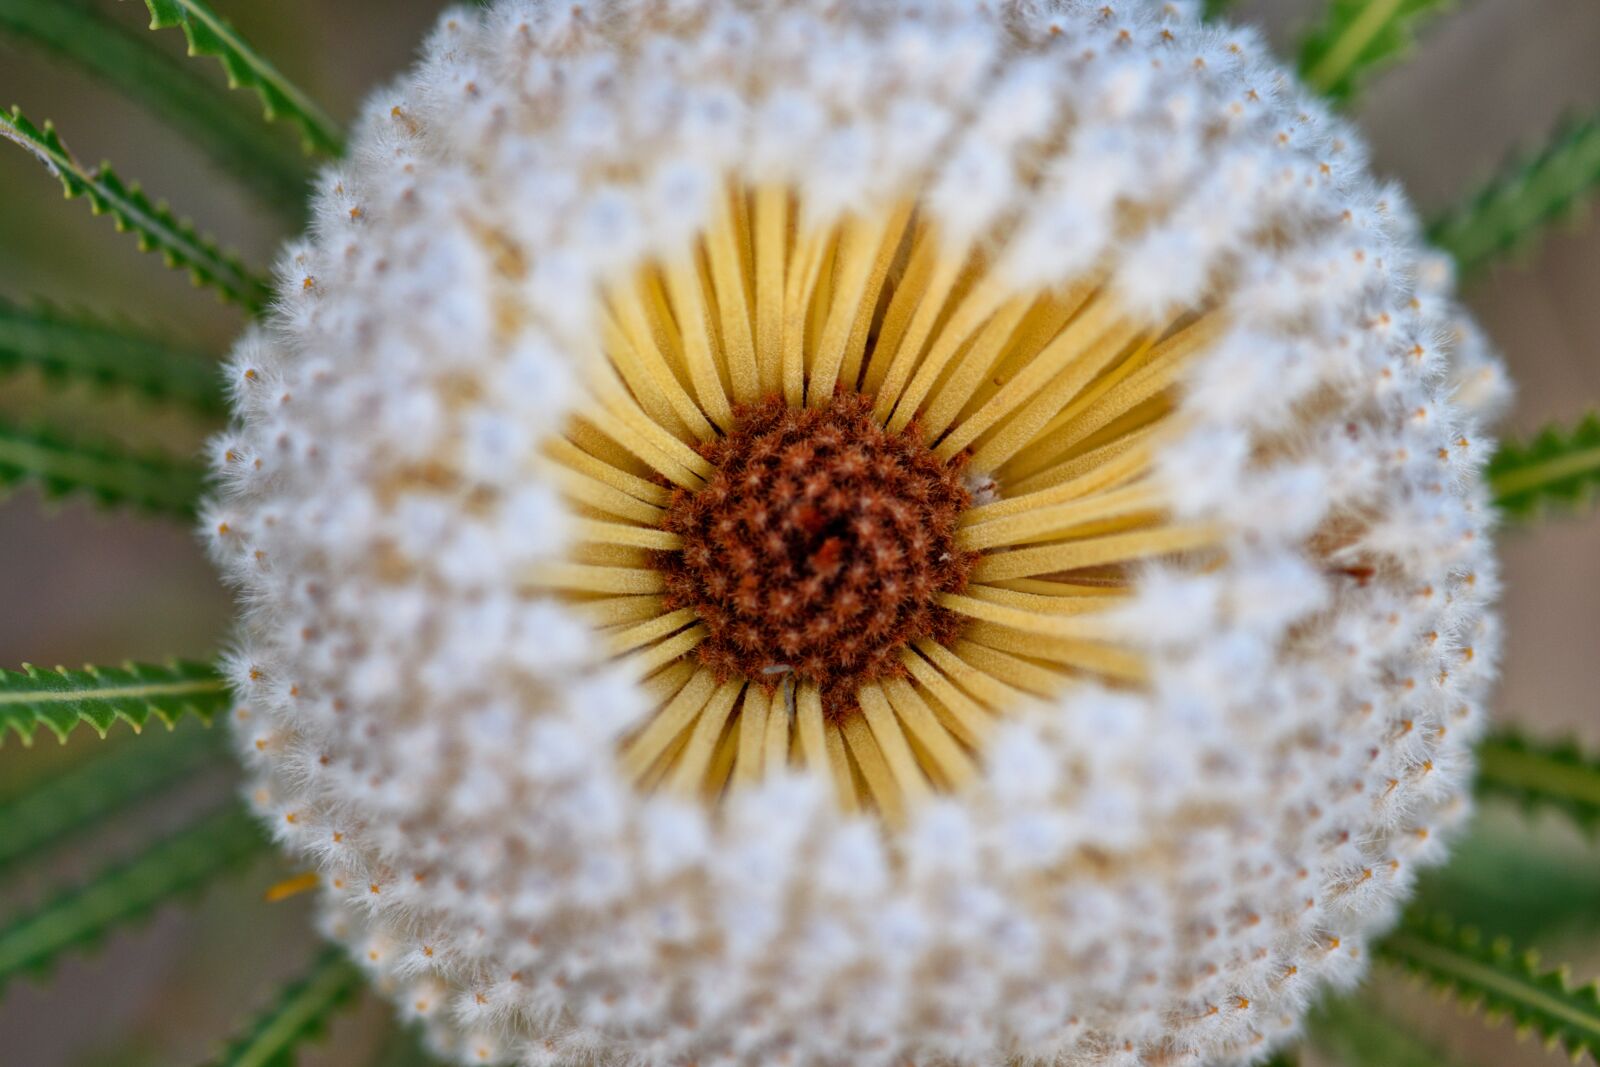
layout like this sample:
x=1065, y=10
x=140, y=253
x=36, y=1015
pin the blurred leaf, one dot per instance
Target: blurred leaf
x=1517, y=880
x=1357, y=36
x=157, y=229
x=73, y=347
x=90, y=793
x=82, y=35
x=79, y=916
x=1512, y=210
x=1541, y=774
x=209, y=34
x=1356, y=1032
x=1215, y=9
x=298, y=1013
x=62, y=698
x=403, y=1048
x=1493, y=978
x=110, y=474
x=1560, y=466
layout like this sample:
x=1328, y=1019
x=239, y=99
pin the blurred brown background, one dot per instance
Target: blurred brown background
x=77, y=585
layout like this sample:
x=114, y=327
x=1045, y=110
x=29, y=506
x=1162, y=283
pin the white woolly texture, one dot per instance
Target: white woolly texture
x=1161, y=875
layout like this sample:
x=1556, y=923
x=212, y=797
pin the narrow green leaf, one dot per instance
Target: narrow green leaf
x=61, y=699
x=1515, y=207
x=77, y=347
x=157, y=229
x=1556, y=775
x=1358, y=1033
x=210, y=35
x=81, y=35
x=1559, y=467
x=83, y=796
x=1527, y=882
x=79, y=916
x=1357, y=36
x=106, y=472
x=1492, y=977
x=298, y=1013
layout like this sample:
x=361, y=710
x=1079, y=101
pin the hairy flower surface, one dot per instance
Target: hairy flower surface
x=844, y=533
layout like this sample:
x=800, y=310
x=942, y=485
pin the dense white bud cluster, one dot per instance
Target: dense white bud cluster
x=1152, y=872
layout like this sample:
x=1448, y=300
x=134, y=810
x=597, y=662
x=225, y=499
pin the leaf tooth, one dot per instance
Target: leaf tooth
x=208, y=34
x=155, y=225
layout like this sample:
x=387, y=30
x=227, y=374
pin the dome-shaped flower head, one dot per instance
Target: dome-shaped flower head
x=856, y=533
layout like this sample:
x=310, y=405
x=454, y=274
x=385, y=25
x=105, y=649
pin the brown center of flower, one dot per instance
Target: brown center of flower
x=818, y=547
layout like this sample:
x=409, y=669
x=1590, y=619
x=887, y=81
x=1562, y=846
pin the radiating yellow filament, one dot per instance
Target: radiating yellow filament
x=676, y=714
x=945, y=271
x=886, y=792
x=585, y=579
x=953, y=764
x=771, y=238
x=728, y=274
x=809, y=257
x=858, y=254
x=752, y=736
x=1095, y=552
x=1051, y=521
x=617, y=533
x=650, y=631
x=1057, y=399
x=696, y=758
x=689, y=302
x=1092, y=324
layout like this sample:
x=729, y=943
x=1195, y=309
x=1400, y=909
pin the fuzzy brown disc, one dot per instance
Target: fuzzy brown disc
x=818, y=547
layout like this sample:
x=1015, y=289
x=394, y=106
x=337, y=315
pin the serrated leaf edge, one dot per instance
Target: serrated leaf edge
x=1436, y=949
x=317, y=130
x=196, y=687
x=181, y=246
x=173, y=91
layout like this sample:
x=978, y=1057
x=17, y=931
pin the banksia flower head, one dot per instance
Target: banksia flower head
x=833, y=533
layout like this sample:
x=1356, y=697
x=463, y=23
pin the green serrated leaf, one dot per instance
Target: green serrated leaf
x=136, y=692
x=1558, y=468
x=181, y=247
x=106, y=472
x=83, y=796
x=298, y=1013
x=1494, y=978
x=78, y=347
x=171, y=90
x=79, y=916
x=1540, y=774
x=1357, y=36
x=209, y=34
x=1358, y=1033
x=1533, y=192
